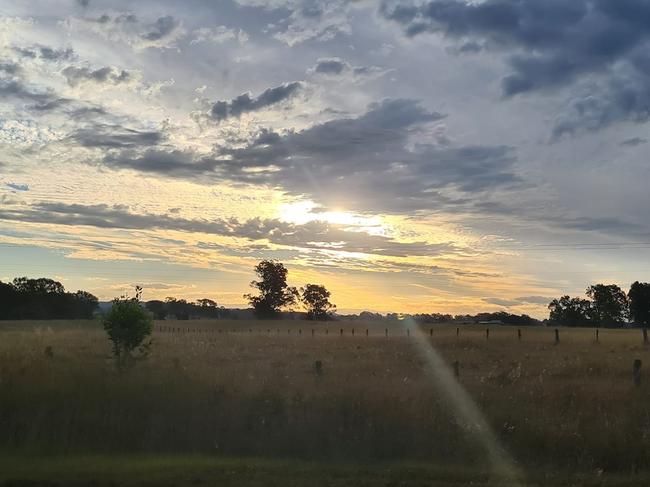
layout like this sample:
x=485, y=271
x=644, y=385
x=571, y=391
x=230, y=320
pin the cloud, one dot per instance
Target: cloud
x=336, y=67
x=506, y=303
x=223, y=110
x=633, y=142
x=44, y=100
x=45, y=52
x=315, y=235
x=10, y=68
x=161, y=33
x=306, y=20
x=550, y=45
x=541, y=300
x=218, y=35
x=330, y=66
x=108, y=74
x=17, y=187
x=370, y=162
x=114, y=137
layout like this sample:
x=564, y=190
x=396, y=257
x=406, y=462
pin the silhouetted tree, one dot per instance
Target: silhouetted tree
x=179, y=308
x=207, y=308
x=639, y=297
x=84, y=304
x=274, y=293
x=568, y=311
x=43, y=298
x=128, y=325
x=158, y=309
x=610, y=306
x=316, y=299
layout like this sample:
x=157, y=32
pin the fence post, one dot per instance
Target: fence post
x=557, y=336
x=645, y=336
x=636, y=372
x=457, y=332
x=408, y=332
x=341, y=331
x=487, y=333
x=597, y=335
x=366, y=331
x=431, y=332
x=519, y=334
x=386, y=332
x=352, y=331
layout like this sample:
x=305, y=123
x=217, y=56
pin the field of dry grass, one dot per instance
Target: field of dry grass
x=250, y=389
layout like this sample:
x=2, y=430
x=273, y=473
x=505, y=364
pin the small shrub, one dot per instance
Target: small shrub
x=128, y=326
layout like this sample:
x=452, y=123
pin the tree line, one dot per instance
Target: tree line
x=37, y=299
x=182, y=309
x=606, y=305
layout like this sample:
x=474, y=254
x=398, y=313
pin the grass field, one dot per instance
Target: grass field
x=209, y=400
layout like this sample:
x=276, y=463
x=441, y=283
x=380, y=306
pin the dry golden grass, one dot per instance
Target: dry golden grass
x=571, y=406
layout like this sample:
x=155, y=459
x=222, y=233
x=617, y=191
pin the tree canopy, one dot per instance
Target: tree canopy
x=43, y=298
x=274, y=292
x=316, y=299
x=639, y=296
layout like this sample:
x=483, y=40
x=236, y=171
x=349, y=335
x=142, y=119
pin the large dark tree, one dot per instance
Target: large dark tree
x=639, y=297
x=316, y=299
x=274, y=293
x=568, y=311
x=610, y=306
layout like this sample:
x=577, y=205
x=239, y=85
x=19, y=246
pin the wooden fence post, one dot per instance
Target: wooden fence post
x=557, y=336
x=519, y=334
x=457, y=332
x=645, y=336
x=386, y=332
x=636, y=371
x=487, y=333
x=408, y=332
x=352, y=331
x=366, y=331
x=597, y=335
x=341, y=331
x=431, y=332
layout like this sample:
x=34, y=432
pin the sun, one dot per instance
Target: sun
x=301, y=212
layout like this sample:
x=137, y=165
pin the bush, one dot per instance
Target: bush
x=128, y=326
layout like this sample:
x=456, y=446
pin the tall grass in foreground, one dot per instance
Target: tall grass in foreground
x=568, y=406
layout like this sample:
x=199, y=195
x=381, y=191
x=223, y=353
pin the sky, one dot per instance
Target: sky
x=413, y=156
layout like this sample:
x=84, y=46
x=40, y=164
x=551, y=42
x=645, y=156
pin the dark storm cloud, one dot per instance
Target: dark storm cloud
x=313, y=235
x=368, y=162
x=107, y=74
x=222, y=110
x=114, y=137
x=552, y=44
